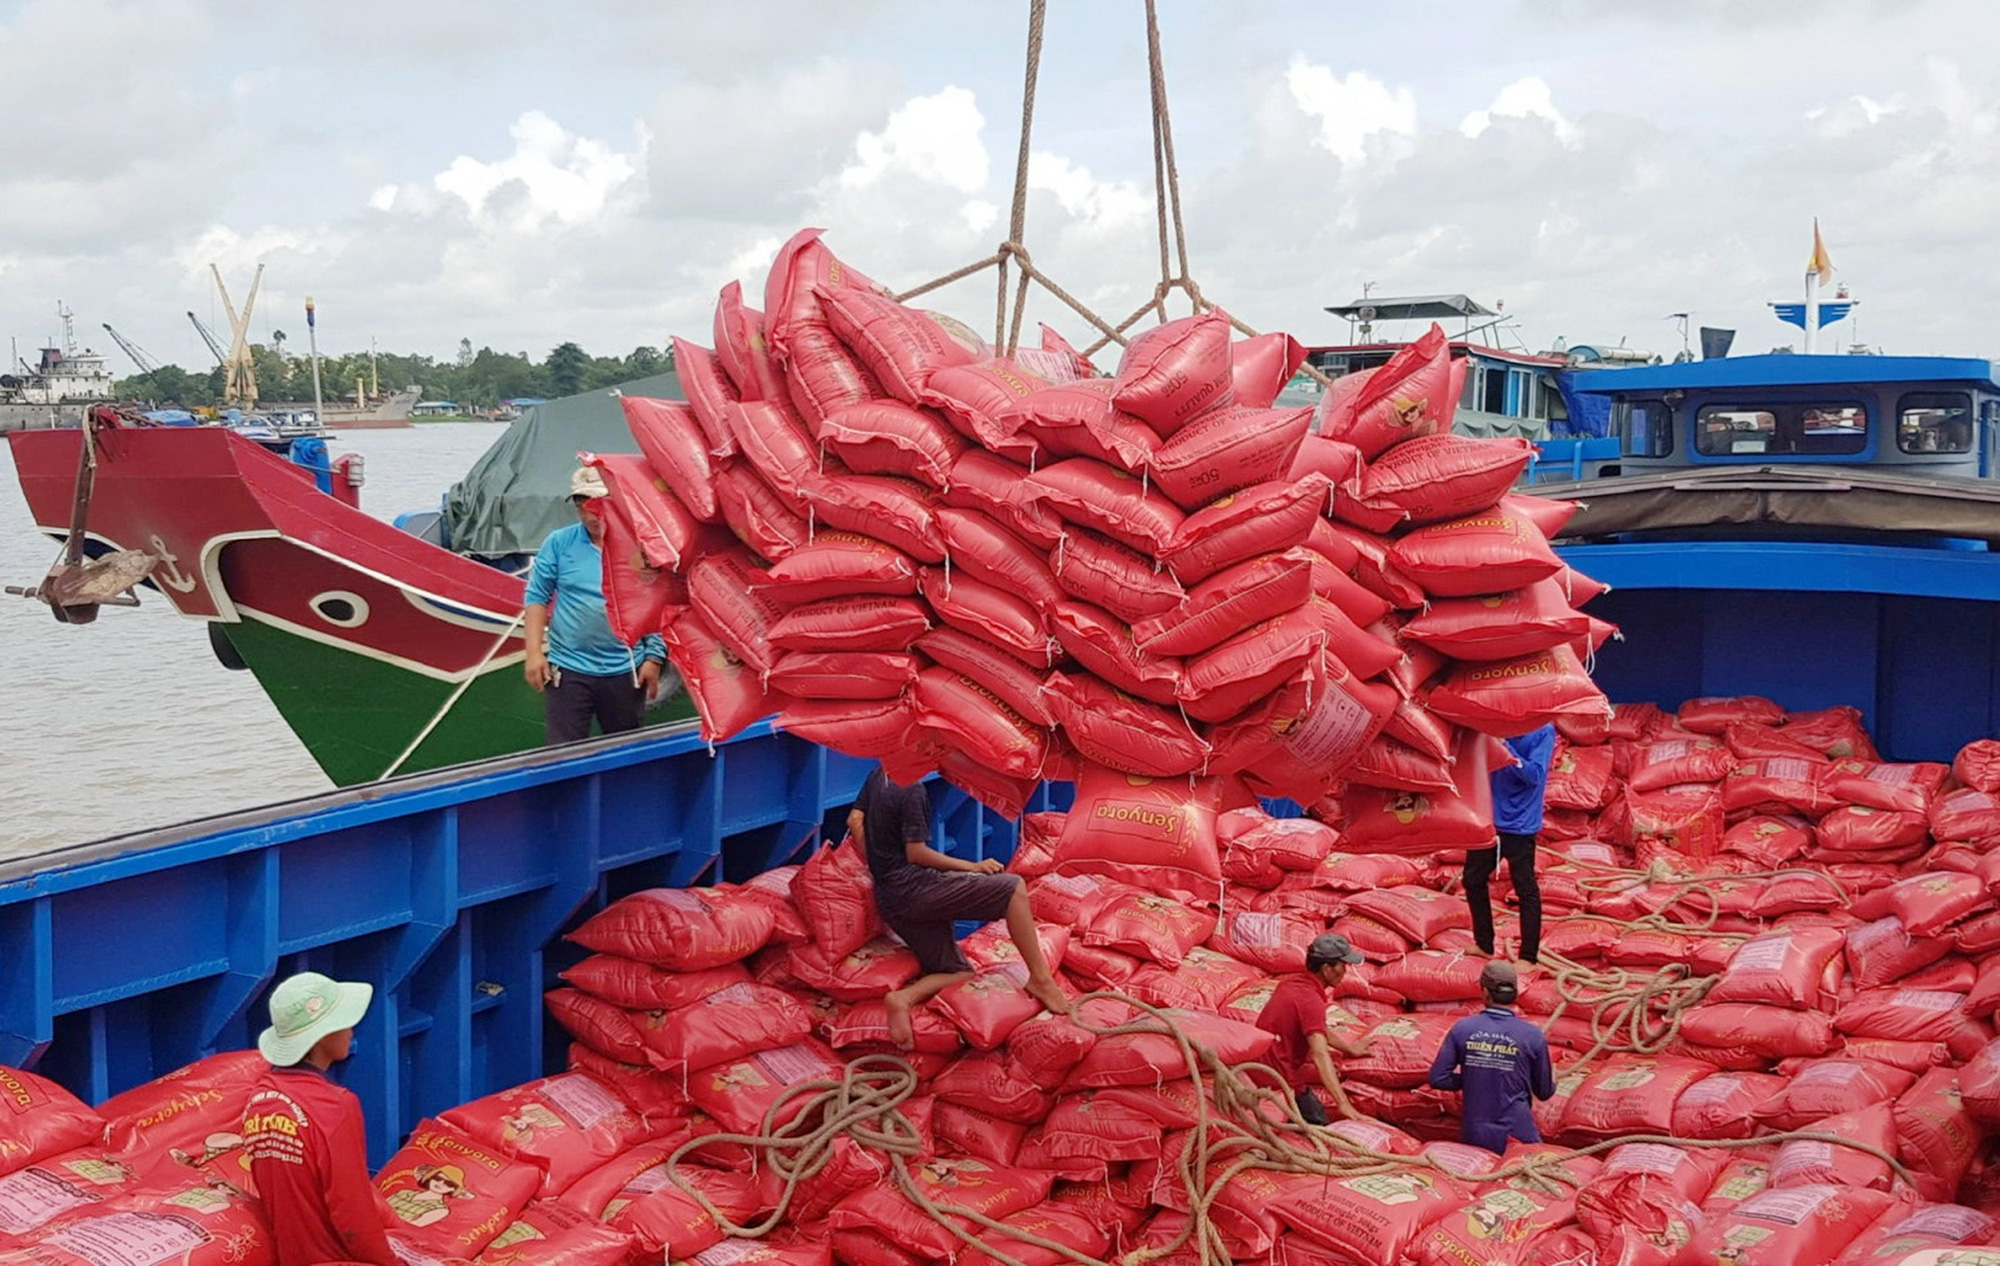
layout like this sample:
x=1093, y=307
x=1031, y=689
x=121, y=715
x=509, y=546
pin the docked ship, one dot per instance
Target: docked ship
x=58, y=387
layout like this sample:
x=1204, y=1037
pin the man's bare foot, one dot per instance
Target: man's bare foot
x=1047, y=992
x=901, y=1032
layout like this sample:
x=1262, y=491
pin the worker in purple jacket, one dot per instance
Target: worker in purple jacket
x=1498, y=1060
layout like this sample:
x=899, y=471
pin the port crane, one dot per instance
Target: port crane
x=208, y=337
x=138, y=354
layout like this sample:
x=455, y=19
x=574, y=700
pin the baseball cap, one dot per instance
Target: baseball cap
x=1331, y=947
x=1499, y=977
x=587, y=482
x=307, y=1007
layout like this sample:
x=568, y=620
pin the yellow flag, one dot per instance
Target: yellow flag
x=1821, y=262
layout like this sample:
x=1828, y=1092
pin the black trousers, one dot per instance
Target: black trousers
x=575, y=699
x=1519, y=850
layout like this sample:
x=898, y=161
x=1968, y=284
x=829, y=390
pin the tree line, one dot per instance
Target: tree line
x=476, y=380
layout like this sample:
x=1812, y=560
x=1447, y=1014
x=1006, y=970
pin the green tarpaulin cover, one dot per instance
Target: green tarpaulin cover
x=518, y=491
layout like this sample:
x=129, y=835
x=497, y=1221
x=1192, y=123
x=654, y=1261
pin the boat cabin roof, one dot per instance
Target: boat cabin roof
x=1414, y=308
x=1783, y=370
x=1459, y=348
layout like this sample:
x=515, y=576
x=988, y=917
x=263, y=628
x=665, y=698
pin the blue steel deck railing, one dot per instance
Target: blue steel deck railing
x=447, y=891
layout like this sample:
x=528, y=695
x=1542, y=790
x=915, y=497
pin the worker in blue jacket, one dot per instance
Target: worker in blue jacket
x=1499, y=1061
x=1518, y=790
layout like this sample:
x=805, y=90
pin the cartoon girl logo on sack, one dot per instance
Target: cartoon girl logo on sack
x=520, y=1128
x=426, y=1201
x=1406, y=807
x=1501, y=1218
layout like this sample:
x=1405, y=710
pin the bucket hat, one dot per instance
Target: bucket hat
x=307, y=1007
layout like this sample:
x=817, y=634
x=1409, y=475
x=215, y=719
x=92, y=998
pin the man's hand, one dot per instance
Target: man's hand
x=989, y=866
x=536, y=669
x=649, y=678
x=1355, y=1049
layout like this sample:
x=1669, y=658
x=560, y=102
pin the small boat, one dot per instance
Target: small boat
x=384, y=651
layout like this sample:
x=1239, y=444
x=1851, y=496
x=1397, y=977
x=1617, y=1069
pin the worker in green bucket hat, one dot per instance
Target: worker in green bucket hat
x=303, y=1137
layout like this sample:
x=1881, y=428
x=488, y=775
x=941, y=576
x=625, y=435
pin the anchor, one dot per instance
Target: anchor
x=75, y=588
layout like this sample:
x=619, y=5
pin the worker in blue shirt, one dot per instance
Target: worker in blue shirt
x=1518, y=790
x=573, y=657
x=1498, y=1060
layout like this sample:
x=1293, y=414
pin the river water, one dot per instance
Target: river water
x=130, y=723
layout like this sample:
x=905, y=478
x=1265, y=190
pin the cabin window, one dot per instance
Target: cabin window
x=1809, y=430
x=1468, y=395
x=1647, y=425
x=1495, y=389
x=1934, y=422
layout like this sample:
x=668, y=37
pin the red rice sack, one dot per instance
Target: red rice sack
x=1409, y=396
x=678, y=927
x=1883, y=951
x=1419, y=913
x=1227, y=450
x=57, y=1187
x=1720, y=1107
x=989, y=613
x=981, y=401
x=1631, y=1096
x=1783, y=967
x=609, y=1030
x=727, y=691
x=190, y=1224
x=1907, y=1239
x=1804, y=1162
x=1400, y=1050
x=983, y=481
x=741, y=349
x=1769, y=841
x=639, y=598
x=1936, y=1135
x=864, y=973
x=1260, y=367
x=1777, y=786
x=1686, y=819
x=769, y=524
x=1162, y=929
x=568, y=1125
x=1265, y=518
x=1828, y=1087
x=990, y=1190
x=1755, y=742
x=1487, y=553
x=1123, y=733
x=1580, y=778
x=1373, y=1218
x=989, y=1006
x=1858, y=829
x=739, y=1094
x=1905, y=1015
x=1176, y=372
x=1514, y=696
x=1897, y=788
x=835, y=893
x=1977, y=765
x=869, y=622
x=1714, y=714
x=727, y=1025
x=988, y=551
x=1412, y=823
x=722, y=592
x=1774, y=1032
x=452, y=1193
x=1123, y=581
x=1790, y=1227
x=644, y=987
x=897, y=511
x=1663, y=764
x=1142, y=830
x=1085, y=1233
x=1837, y=732
x=710, y=392
x=1104, y=645
x=1927, y=904
x=1433, y=478
x=1494, y=1229
x=980, y=724
x=1108, y=500
x=901, y=347
x=844, y=674
x=1432, y=976
x=1505, y=625
x=673, y=441
x=40, y=1120
x=668, y=1222
x=775, y=443
x=1966, y=816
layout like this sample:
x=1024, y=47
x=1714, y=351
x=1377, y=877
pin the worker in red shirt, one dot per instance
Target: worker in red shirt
x=1297, y=1014
x=302, y=1134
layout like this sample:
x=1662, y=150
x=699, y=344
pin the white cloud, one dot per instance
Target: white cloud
x=1103, y=203
x=558, y=174
x=1527, y=98
x=932, y=138
x=1350, y=111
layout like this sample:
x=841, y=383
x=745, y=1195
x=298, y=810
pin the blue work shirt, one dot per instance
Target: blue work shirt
x=1518, y=789
x=569, y=569
x=1498, y=1060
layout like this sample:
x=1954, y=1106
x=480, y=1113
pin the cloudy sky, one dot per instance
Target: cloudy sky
x=519, y=172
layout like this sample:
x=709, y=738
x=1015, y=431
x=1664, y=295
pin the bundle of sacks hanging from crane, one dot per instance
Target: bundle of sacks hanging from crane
x=1784, y=943
x=1007, y=569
